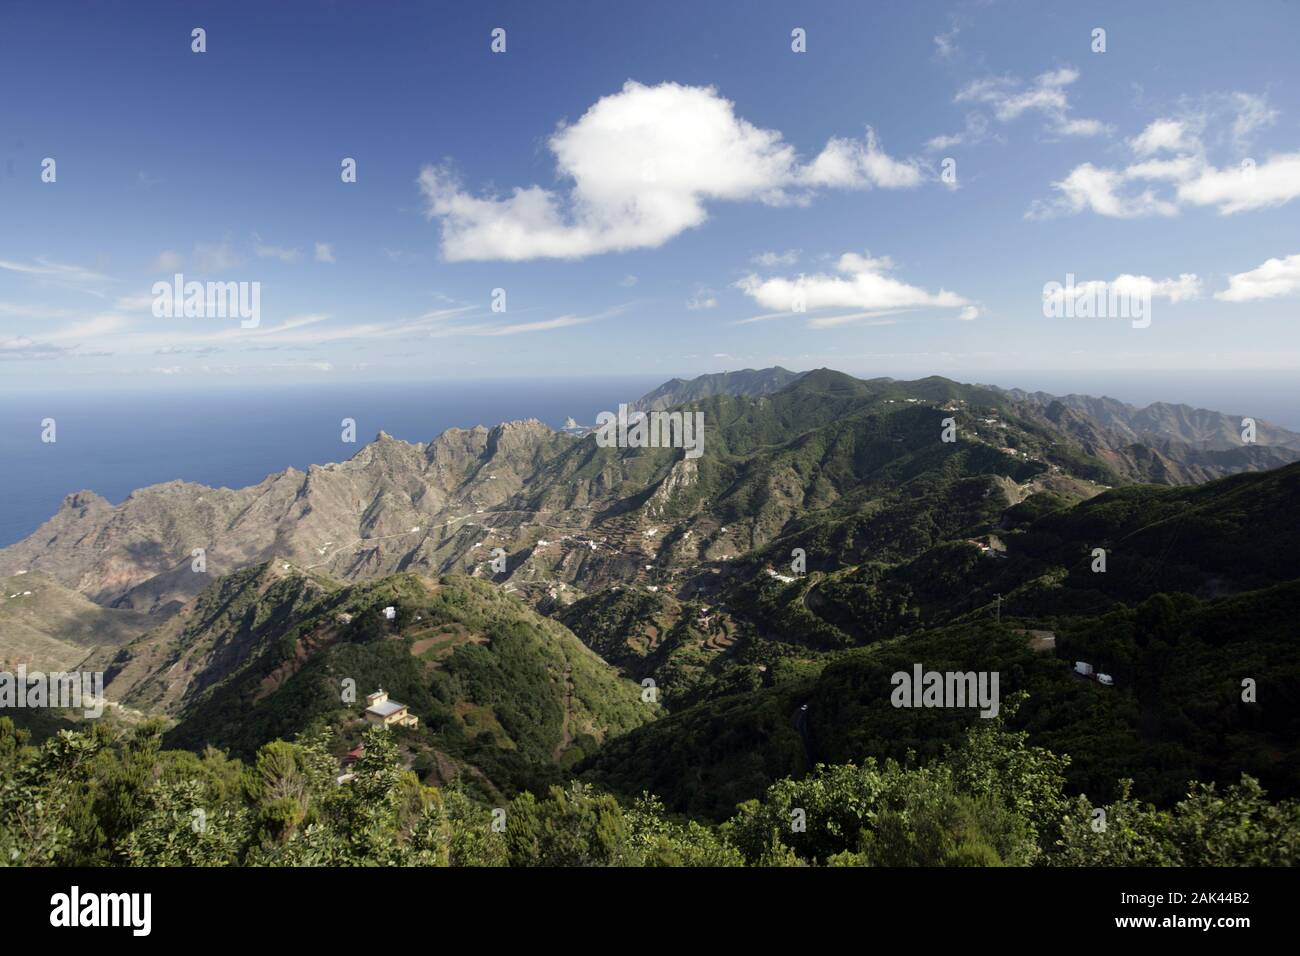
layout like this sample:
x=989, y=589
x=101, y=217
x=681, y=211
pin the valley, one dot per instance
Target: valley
x=826, y=538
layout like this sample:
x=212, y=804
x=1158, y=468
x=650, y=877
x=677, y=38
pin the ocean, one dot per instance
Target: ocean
x=113, y=442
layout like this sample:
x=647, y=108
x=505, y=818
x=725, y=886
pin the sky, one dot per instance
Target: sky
x=643, y=189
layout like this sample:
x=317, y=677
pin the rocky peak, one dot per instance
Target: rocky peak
x=84, y=500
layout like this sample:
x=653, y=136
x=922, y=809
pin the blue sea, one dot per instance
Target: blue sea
x=113, y=442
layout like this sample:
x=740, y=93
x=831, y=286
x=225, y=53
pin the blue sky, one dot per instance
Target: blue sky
x=654, y=186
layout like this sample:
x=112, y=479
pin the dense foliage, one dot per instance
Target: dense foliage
x=90, y=797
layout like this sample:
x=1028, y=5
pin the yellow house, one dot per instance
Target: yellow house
x=385, y=713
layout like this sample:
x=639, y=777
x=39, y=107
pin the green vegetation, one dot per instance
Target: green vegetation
x=773, y=739
x=501, y=692
x=92, y=798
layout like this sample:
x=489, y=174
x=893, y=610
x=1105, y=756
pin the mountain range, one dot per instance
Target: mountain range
x=699, y=627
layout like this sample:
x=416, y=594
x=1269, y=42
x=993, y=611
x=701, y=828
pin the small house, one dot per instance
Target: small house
x=383, y=712
x=1083, y=668
x=390, y=613
x=1105, y=679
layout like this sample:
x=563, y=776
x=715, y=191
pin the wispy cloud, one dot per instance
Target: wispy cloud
x=265, y=250
x=1010, y=98
x=45, y=269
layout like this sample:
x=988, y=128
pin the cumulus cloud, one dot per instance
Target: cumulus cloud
x=860, y=282
x=1101, y=191
x=324, y=252
x=643, y=165
x=1182, y=289
x=1246, y=187
x=1172, y=170
x=1046, y=95
x=859, y=164
x=1273, y=279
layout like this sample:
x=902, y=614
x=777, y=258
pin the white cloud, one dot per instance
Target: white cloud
x=945, y=44
x=1232, y=189
x=769, y=260
x=703, y=299
x=1186, y=287
x=969, y=314
x=644, y=164
x=1164, y=135
x=324, y=252
x=975, y=130
x=862, y=283
x=628, y=281
x=854, y=164
x=1100, y=190
x=267, y=251
x=1273, y=279
x=1173, y=172
x=1009, y=99
x=854, y=318
x=1249, y=186
x=518, y=328
x=1252, y=113
x=45, y=269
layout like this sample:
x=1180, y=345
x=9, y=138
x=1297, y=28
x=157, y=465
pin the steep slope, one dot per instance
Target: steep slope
x=51, y=628
x=273, y=651
x=1175, y=712
x=1163, y=442
x=843, y=468
x=1165, y=421
x=390, y=505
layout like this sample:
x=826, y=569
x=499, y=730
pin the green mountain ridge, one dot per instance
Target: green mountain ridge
x=273, y=652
